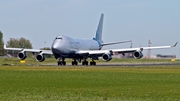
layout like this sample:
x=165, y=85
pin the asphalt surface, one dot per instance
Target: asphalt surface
x=142, y=64
x=125, y=64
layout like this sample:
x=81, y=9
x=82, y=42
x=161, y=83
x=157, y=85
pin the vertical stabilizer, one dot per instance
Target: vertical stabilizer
x=98, y=35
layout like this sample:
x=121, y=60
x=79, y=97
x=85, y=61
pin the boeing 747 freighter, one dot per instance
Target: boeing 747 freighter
x=81, y=49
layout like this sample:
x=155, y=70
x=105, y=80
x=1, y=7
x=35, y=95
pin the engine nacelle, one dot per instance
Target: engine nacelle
x=138, y=54
x=106, y=57
x=40, y=57
x=22, y=55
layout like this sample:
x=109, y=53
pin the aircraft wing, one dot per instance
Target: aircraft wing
x=126, y=50
x=29, y=50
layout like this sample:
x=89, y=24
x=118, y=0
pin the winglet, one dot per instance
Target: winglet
x=175, y=44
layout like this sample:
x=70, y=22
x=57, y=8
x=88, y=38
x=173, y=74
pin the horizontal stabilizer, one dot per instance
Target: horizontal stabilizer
x=111, y=43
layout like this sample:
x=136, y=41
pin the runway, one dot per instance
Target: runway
x=123, y=64
x=141, y=64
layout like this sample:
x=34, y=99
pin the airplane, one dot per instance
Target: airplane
x=81, y=49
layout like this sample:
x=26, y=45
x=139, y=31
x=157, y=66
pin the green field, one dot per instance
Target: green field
x=46, y=83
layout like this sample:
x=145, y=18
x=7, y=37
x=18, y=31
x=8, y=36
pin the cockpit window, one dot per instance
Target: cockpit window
x=58, y=38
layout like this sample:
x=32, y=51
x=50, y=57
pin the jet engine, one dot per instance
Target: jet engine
x=138, y=54
x=106, y=57
x=40, y=57
x=22, y=55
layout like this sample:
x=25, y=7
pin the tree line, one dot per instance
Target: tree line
x=15, y=43
x=2, y=51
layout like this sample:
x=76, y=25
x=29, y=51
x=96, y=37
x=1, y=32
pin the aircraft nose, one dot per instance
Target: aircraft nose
x=55, y=48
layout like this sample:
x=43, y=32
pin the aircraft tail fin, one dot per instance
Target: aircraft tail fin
x=98, y=35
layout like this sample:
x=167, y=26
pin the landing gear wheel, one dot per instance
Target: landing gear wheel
x=61, y=63
x=85, y=63
x=92, y=63
x=74, y=63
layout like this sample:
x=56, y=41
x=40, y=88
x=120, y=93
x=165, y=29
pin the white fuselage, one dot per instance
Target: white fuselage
x=64, y=46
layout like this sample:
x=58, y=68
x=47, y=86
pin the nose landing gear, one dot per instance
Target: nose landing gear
x=61, y=62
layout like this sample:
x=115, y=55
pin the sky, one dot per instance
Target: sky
x=41, y=21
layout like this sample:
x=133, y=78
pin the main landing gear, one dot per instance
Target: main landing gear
x=85, y=62
x=74, y=62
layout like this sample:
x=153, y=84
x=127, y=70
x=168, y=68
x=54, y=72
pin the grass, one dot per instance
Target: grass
x=45, y=83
